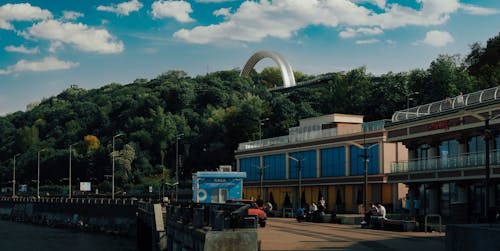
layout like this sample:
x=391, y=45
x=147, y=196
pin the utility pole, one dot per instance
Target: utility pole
x=177, y=137
x=299, y=176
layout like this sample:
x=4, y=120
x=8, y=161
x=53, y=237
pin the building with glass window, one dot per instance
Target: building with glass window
x=453, y=165
x=324, y=156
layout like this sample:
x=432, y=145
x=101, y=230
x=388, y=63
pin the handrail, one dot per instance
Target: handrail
x=459, y=101
x=431, y=224
x=465, y=160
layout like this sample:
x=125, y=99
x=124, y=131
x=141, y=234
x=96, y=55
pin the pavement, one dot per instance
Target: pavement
x=288, y=234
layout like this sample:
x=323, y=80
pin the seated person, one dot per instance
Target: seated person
x=373, y=210
x=379, y=216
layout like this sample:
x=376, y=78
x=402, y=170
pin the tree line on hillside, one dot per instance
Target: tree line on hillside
x=213, y=113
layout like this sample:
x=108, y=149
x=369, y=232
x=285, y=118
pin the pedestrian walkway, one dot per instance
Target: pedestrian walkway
x=288, y=234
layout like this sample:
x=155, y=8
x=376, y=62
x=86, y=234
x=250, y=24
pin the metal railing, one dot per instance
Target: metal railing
x=466, y=160
x=95, y=201
x=298, y=135
x=459, y=101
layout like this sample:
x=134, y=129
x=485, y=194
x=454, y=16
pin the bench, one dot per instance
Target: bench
x=402, y=225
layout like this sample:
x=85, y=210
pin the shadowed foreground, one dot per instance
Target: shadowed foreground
x=288, y=234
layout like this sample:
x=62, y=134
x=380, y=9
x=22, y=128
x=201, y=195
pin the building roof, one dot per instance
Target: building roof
x=448, y=104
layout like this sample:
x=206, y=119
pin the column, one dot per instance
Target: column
x=347, y=160
x=318, y=163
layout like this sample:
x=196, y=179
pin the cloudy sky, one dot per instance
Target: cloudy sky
x=46, y=46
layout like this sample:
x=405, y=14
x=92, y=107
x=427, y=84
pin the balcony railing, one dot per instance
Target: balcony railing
x=457, y=102
x=297, y=134
x=467, y=160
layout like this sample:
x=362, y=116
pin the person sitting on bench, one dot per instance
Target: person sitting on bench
x=368, y=214
x=379, y=216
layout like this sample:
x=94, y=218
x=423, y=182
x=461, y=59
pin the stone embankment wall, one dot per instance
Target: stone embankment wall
x=93, y=215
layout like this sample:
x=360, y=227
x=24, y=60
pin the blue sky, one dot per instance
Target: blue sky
x=46, y=46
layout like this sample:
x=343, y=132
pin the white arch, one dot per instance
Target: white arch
x=285, y=68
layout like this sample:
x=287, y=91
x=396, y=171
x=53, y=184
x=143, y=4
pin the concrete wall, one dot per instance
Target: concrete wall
x=92, y=216
x=210, y=228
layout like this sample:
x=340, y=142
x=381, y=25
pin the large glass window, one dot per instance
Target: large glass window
x=357, y=159
x=275, y=167
x=251, y=167
x=445, y=200
x=307, y=163
x=333, y=162
x=423, y=151
x=448, y=150
x=476, y=144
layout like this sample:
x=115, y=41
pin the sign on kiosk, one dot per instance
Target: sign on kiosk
x=85, y=187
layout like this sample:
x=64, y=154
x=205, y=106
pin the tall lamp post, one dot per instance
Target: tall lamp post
x=14, y=177
x=113, y=167
x=487, y=136
x=171, y=184
x=69, y=176
x=177, y=137
x=261, y=123
x=365, y=157
x=408, y=98
x=38, y=175
x=299, y=176
x=261, y=176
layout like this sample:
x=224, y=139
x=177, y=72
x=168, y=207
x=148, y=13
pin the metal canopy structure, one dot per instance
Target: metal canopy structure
x=285, y=68
x=458, y=102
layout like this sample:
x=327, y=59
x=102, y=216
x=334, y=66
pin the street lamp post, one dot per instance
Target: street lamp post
x=261, y=176
x=38, y=175
x=69, y=176
x=365, y=157
x=177, y=137
x=408, y=98
x=487, y=136
x=113, y=167
x=299, y=176
x=171, y=184
x=14, y=177
x=261, y=123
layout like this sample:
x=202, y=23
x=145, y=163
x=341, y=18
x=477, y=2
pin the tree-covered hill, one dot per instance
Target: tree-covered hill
x=213, y=113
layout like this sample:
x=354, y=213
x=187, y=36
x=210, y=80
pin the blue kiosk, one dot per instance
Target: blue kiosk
x=217, y=187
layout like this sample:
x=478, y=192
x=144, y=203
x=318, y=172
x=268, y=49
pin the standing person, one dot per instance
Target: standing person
x=260, y=202
x=268, y=207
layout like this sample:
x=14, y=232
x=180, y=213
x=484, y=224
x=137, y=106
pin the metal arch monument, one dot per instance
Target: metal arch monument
x=285, y=68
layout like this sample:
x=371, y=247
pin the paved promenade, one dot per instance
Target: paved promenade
x=288, y=234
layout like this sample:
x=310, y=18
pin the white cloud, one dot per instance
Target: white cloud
x=55, y=45
x=390, y=42
x=214, y=1
x=123, y=8
x=71, y=15
x=225, y=12
x=350, y=32
x=46, y=64
x=437, y=38
x=20, y=12
x=476, y=10
x=367, y=41
x=379, y=3
x=78, y=35
x=432, y=12
x=21, y=49
x=175, y=9
x=256, y=20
